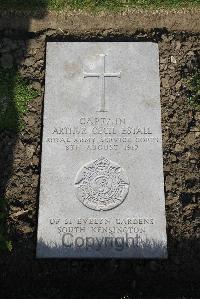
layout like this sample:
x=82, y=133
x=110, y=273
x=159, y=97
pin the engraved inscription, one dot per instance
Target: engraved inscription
x=101, y=185
x=102, y=76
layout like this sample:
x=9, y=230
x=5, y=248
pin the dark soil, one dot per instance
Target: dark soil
x=21, y=274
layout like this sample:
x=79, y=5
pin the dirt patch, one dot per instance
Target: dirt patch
x=25, y=277
x=126, y=22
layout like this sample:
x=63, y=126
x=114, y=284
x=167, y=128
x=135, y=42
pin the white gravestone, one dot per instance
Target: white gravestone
x=101, y=191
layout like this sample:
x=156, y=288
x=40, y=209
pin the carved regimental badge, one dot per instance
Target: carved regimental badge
x=101, y=185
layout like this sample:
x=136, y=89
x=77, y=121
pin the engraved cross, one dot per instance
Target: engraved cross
x=102, y=76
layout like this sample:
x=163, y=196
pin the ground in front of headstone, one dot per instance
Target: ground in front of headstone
x=178, y=276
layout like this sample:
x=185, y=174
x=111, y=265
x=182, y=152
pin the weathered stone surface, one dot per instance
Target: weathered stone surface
x=102, y=176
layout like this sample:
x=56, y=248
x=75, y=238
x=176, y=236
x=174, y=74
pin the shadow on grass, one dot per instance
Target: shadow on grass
x=15, y=94
x=176, y=277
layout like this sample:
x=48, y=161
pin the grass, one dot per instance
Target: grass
x=95, y=4
x=193, y=89
x=5, y=244
x=15, y=94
